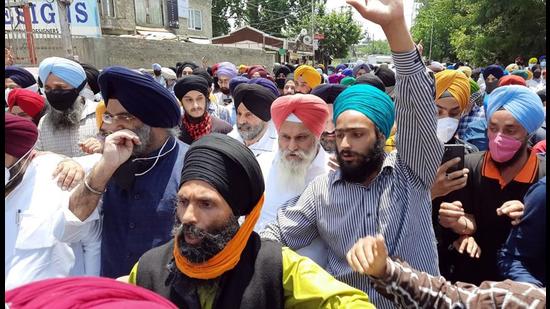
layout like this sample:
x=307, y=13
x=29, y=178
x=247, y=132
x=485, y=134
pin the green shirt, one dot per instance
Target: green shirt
x=305, y=284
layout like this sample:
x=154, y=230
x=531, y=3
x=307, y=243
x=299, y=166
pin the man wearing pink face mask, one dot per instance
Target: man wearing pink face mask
x=487, y=208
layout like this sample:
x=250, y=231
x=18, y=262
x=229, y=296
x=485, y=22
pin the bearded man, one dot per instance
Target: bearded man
x=212, y=262
x=71, y=118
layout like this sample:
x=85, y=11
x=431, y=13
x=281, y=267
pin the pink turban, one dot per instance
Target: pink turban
x=84, y=292
x=311, y=110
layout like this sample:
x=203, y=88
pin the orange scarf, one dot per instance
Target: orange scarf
x=226, y=259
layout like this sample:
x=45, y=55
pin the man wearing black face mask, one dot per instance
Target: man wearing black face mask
x=72, y=116
x=280, y=78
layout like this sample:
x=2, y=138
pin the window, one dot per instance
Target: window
x=108, y=8
x=194, y=22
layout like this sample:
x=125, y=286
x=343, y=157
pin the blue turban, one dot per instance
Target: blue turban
x=370, y=101
x=494, y=70
x=69, y=71
x=347, y=72
x=341, y=67
x=227, y=69
x=235, y=81
x=19, y=76
x=523, y=103
x=363, y=66
x=265, y=83
x=141, y=96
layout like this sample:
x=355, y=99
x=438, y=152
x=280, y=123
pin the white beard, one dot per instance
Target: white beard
x=292, y=174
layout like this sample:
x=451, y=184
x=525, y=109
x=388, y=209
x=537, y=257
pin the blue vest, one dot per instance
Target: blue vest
x=136, y=220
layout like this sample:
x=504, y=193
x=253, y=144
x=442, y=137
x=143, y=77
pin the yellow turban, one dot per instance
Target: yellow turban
x=533, y=60
x=456, y=83
x=512, y=67
x=466, y=70
x=99, y=111
x=309, y=74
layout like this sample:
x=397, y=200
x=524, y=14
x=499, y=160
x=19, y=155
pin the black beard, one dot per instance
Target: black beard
x=514, y=159
x=211, y=243
x=368, y=163
x=68, y=118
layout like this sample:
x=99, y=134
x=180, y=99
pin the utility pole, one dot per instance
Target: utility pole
x=63, y=8
x=313, y=32
x=431, y=38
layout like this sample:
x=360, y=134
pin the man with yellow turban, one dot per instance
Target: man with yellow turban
x=306, y=78
x=466, y=70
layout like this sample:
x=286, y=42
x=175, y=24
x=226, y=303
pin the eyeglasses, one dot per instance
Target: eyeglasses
x=109, y=119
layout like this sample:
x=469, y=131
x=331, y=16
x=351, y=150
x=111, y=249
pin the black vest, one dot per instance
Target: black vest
x=255, y=282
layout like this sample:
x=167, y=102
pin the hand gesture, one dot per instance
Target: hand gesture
x=91, y=145
x=513, y=209
x=368, y=256
x=446, y=183
x=450, y=213
x=420, y=47
x=69, y=174
x=118, y=148
x=378, y=11
x=469, y=243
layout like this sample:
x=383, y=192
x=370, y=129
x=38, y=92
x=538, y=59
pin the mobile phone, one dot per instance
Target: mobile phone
x=452, y=151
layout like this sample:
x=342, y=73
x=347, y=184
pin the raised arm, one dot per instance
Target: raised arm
x=416, y=139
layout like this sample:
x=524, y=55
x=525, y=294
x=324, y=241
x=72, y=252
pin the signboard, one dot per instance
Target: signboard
x=172, y=7
x=282, y=51
x=83, y=18
x=183, y=5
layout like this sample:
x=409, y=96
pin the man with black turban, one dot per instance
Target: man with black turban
x=184, y=69
x=16, y=77
x=212, y=262
x=137, y=175
x=214, y=109
x=280, y=77
x=254, y=127
x=192, y=92
x=91, y=90
x=329, y=92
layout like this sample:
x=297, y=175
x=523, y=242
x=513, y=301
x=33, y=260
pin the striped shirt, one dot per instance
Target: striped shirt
x=396, y=203
x=409, y=288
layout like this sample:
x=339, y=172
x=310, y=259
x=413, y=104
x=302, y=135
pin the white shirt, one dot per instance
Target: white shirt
x=268, y=142
x=35, y=214
x=276, y=196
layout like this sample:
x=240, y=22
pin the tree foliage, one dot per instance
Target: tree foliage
x=482, y=32
x=378, y=47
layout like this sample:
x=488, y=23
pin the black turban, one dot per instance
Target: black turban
x=20, y=76
x=386, y=75
x=202, y=72
x=369, y=79
x=184, y=65
x=92, y=75
x=227, y=165
x=328, y=92
x=141, y=96
x=256, y=98
x=283, y=69
x=494, y=70
x=191, y=82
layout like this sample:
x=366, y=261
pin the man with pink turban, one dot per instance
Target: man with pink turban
x=299, y=120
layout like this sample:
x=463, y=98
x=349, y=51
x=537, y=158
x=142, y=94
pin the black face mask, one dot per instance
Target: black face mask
x=63, y=99
x=157, y=73
x=280, y=82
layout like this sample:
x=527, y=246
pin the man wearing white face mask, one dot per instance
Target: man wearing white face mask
x=34, y=203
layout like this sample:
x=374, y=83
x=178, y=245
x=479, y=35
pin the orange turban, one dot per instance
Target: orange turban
x=99, y=111
x=311, y=110
x=309, y=74
x=511, y=80
x=457, y=83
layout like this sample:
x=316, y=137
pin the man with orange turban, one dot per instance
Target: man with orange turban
x=213, y=262
x=27, y=104
x=306, y=78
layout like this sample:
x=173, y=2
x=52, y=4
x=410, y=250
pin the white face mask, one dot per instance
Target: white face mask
x=531, y=65
x=543, y=64
x=7, y=173
x=446, y=128
x=7, y=92
x=88, y=93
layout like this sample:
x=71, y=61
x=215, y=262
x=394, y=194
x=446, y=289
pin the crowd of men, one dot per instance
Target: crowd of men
x=307, y=187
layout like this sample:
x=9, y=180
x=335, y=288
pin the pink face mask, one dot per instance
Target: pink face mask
x=502, y=147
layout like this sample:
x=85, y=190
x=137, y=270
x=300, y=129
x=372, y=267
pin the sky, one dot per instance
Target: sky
x=372, y=28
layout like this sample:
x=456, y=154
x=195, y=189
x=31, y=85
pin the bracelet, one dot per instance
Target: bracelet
x=90, y=188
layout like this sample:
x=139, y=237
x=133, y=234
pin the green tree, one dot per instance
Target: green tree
x=374, y=47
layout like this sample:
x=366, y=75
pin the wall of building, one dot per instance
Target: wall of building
x=124, y=21
x=138, y=53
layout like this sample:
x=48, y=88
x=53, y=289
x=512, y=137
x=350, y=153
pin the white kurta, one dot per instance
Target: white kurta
x=35, y=213
x=276, y=196
x=268, y=142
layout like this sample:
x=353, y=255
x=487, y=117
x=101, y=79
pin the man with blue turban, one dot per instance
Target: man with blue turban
x=498, y=180
x=137, y=176
x=373, y=192
x=71, y=118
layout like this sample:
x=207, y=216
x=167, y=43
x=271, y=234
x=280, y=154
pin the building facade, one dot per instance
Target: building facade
x=184, y=18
